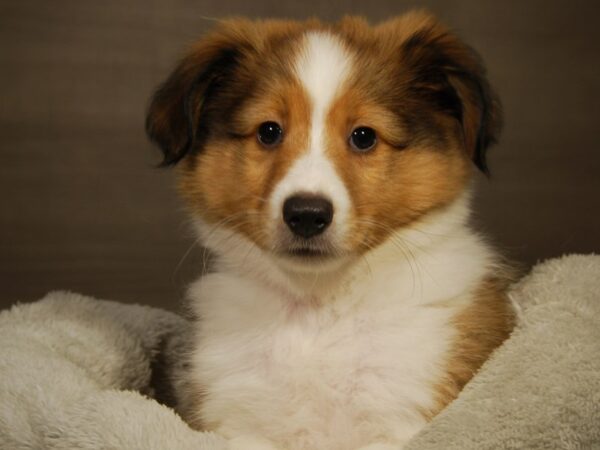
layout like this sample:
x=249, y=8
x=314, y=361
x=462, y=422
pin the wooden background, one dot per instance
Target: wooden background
x=84, y=209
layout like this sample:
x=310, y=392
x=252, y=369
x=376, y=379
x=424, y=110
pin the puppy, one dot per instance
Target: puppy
x=329, y=168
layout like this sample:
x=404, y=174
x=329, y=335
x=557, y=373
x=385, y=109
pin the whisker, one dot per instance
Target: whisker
x=182, y=259
x=404, y=246
x=210, y=234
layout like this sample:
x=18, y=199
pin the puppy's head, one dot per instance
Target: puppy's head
x=316, y=142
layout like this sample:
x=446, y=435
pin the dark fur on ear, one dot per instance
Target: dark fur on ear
x=205, y=88
x=180, y=104
x=451, y=75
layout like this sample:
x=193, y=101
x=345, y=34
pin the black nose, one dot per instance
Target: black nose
x=307, y=215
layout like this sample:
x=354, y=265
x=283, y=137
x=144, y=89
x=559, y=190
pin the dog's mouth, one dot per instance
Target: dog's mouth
x=315, y=253
x=308, y=253
x=311, y=257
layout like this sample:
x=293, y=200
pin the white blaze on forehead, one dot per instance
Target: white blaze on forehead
x=322, y=66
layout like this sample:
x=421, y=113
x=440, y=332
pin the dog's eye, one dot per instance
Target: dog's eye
x=363, y=139
x=269, y=134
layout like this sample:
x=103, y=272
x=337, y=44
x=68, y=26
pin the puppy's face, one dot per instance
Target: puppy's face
x=317, y=142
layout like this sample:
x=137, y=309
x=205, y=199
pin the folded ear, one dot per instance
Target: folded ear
x=451, y=75
x=180, y=103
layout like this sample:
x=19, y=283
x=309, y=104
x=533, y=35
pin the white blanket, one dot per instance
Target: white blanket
x=80, y=373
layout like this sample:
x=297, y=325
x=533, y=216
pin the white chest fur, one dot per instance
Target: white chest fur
x=311, y=378
x=338, y=371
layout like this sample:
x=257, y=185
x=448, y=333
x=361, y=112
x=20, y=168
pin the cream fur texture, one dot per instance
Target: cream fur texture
x=79, y=373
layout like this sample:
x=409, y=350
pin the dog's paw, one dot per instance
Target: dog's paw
x=248, y=442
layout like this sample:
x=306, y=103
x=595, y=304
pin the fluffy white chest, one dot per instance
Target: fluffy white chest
x=338, y=373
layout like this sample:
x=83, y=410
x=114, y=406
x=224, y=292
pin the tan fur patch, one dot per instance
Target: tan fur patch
x=389, y=186
x=482, y=326
x=231, y=180
x=190, y=402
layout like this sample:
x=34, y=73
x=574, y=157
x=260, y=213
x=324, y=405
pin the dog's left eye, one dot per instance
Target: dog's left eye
x=363, y=139
x=269, y=134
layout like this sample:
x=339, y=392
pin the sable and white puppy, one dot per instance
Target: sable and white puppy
x=328, y=168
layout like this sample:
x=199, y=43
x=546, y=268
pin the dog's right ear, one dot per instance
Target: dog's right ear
x=177, y=107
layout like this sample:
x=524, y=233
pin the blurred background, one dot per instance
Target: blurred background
x=83, y=207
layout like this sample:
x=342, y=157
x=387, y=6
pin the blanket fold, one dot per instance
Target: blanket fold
x=76, y=372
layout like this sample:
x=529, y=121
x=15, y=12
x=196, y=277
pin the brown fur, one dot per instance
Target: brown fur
x=482, y=326
x=189, y=405
x=232, y=180
x=390, y=187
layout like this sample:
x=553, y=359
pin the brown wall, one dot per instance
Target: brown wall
x=83, y=208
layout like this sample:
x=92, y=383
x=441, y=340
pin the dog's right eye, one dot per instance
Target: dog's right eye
x=269, y=134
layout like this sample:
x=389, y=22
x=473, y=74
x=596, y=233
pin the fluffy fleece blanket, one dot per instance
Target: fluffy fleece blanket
x=82, y=373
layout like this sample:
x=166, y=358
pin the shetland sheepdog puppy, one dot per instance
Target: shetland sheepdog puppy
x=328, y=167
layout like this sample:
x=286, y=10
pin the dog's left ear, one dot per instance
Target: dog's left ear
x=451, y=75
